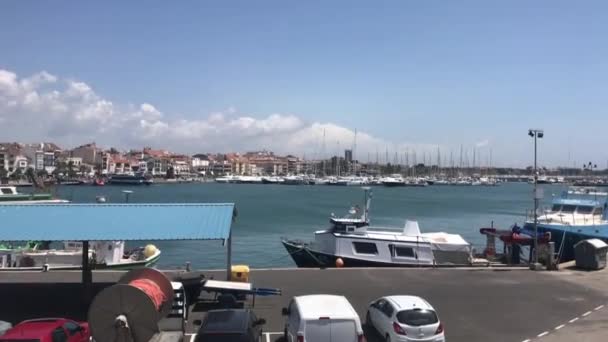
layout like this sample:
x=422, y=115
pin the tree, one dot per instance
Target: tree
x=170, y=172
x=17, y=174
x=71, y=170
x=42, y=173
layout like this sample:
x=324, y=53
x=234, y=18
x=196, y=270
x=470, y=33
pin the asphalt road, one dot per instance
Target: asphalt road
x=474, y=305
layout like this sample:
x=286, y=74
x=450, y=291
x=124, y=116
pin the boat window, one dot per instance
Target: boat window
x=584, y=210
x=365, y=248
x=6, y=191
x=598, y=211
x=556, y=207
x=568, y=208
x=417, y=317
x=407, y=252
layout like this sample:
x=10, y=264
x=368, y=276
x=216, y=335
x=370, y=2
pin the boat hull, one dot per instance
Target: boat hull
x=565, y=237
x=148, y=262
x=304, y=257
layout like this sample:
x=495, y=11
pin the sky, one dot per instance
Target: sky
x=203, y=76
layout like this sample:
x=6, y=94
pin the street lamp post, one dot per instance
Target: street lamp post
x=536, y=134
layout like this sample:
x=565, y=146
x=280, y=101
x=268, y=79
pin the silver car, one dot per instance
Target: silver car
x=405, y=318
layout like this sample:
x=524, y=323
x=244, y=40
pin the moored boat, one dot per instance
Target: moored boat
x=578, y=214
x=103, y=255
x=10, y=195
x=357, y=244
x=137, y=179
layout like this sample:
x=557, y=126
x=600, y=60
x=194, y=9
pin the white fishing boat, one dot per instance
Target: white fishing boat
x=10, y=195
x=357, y=244
x=102, y=255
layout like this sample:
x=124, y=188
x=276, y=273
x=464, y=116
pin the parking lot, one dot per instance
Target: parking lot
x=474, y=305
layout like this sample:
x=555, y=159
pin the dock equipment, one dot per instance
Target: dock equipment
x=111, y=222
x=130, y=310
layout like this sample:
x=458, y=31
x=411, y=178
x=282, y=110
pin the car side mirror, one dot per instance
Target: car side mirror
x=260, y=321
x=197, y=322
x=285, y=312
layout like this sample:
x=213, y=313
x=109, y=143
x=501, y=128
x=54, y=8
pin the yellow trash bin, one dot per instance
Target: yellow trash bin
x=240, y=273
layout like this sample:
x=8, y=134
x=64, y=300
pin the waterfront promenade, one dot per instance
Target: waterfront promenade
x=474, y=304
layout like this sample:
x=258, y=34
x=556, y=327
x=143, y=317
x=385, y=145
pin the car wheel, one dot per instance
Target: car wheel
x=387, y=338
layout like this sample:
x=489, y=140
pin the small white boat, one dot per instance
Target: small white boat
x=10, y=195
x=393, y=180
x=102, y=254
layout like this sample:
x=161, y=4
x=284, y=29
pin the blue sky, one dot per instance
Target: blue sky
x=406, y=73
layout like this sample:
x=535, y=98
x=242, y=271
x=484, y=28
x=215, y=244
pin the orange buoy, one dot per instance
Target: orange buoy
x=339, y=263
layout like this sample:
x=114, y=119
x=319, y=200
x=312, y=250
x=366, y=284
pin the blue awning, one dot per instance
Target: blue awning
x=60, y=222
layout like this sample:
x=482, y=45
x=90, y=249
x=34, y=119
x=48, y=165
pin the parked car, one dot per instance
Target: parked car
x=322, y=318
x=232, y=325
x=48, y=330
x=405, y=318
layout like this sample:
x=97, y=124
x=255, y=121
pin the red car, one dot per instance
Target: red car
x=48, y=330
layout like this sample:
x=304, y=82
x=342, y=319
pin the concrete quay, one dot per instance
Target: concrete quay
x=511, y=305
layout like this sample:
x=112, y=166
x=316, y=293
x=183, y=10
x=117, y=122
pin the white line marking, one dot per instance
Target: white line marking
x=573, y=320
x=267, y=337
x=587, y=313
x=559, y=326
x=192, y=337
x=528, y=340
x=598, y=308
x=543, y=334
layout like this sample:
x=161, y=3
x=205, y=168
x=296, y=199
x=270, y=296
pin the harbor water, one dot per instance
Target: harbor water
x=268, y=212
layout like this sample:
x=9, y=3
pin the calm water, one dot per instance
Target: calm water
x=268, y=212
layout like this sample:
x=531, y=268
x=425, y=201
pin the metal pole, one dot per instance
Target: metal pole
x=229, y=257
x=535, y=257
x=87, y=277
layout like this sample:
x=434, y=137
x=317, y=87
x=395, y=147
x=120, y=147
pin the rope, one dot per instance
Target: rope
x=152, y=290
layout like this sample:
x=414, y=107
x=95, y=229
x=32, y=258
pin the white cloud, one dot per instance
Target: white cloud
x=70, y=112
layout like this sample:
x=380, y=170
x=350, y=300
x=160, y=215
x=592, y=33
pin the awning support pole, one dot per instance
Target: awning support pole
x=87, y=276
x=229, y=257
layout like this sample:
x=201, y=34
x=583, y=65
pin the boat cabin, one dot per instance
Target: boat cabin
x=351, y=223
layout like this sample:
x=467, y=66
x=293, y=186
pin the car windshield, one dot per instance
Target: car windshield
x=417, y=317
x=223, y=337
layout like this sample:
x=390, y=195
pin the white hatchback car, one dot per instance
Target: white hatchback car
x=405, y=318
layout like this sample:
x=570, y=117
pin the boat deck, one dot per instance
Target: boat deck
x=508, y=305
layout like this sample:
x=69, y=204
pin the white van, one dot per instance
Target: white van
x=322, y=318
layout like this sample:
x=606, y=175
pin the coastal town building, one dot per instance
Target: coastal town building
x=89, y=153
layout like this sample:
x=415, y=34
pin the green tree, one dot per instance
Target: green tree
x=71, y=170
x=42, y=173
x=17, y=174
x=170, y=173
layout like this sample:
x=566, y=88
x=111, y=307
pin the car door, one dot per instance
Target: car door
x=293, y=322
x=386, y=318
x=375, y=312
x=74, y=332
